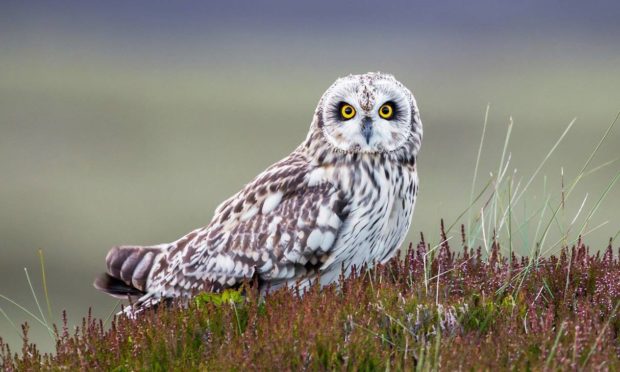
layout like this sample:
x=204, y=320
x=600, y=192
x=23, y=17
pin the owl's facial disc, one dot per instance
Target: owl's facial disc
x=368, y=113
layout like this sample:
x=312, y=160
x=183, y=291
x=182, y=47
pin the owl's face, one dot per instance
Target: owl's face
x=369, y=113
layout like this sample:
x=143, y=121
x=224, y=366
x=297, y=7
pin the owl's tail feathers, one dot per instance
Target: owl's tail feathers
x=116, y=287
x=128, y=269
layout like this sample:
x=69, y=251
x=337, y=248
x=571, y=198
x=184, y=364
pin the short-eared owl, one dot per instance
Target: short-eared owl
x=343, y=198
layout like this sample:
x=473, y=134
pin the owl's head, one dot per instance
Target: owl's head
x=369, y=113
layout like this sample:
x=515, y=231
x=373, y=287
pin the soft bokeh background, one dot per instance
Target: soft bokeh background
x=129, y=121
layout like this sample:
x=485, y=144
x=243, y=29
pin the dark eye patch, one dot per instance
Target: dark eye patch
x=336, y=111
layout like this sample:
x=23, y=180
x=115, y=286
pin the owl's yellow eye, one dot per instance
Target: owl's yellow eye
x=386, y=111
x=347, y=111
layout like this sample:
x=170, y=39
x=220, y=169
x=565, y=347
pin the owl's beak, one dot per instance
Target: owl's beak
x=367, y=128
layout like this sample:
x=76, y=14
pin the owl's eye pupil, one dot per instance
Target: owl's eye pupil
x=386, y=111
x=347, y=111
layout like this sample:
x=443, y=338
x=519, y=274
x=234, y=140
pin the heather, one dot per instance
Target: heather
x=432, y=308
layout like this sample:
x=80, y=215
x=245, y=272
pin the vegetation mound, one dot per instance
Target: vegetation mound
x=431, y=308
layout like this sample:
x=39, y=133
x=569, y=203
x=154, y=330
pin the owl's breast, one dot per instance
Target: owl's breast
x=381, y=205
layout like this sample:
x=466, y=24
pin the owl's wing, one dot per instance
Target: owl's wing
x=280, y=227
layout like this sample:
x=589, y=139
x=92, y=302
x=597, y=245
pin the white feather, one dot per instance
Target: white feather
x=272, y=202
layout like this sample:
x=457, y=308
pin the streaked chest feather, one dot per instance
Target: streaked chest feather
x=381, y=202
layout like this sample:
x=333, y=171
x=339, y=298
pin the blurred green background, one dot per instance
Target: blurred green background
x=128, y=122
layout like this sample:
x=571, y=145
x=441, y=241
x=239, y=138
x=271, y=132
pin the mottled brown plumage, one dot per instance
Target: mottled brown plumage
x=343, y=198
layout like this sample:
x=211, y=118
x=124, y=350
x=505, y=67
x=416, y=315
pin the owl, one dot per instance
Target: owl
x=343, y=198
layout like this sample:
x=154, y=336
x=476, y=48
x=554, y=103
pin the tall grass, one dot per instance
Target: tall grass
x=493, y=217
x=500, y=202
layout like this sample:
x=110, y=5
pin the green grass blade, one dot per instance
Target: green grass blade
x=501, y=171
x=107, y=319
x=4, y=314
x=599, y=167
x=44, y=324
x=542, y=163
x=44, y=279
x=550, y=250
x=615, y=236
x=555, y=346
x=598, y=203
x=596, y=148
x=36, y=300
x=469, y=207
x=475, y=179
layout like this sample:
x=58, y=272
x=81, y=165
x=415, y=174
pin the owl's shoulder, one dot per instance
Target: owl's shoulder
x=293, y=175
